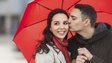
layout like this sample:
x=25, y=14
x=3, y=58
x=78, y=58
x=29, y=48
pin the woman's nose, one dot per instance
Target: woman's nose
x=61, y=26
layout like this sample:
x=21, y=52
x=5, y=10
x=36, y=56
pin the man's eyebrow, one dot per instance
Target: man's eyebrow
x=72, y=15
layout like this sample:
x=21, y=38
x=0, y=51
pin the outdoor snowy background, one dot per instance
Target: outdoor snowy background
x=11, y=12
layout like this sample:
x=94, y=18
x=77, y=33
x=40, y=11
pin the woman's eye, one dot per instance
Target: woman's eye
x=56, y=23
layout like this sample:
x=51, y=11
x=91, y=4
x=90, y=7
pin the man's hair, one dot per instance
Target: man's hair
x=87, y=11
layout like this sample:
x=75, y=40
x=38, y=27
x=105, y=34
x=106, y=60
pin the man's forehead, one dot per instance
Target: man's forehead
x=75, y=11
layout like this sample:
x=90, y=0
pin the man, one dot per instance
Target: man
x=92, y=40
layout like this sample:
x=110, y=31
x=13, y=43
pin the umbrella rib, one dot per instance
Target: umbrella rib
x=104, y=12
x=35, y=23
x=62, y=4
x=44, y=6
x=73, y=5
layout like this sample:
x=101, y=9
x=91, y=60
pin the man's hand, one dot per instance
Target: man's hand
x=79, y=59
x=85, y=52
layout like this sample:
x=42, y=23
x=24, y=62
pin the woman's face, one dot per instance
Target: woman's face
x=59, y=25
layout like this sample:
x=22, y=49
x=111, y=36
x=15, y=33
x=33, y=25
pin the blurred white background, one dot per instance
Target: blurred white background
x=11, y=12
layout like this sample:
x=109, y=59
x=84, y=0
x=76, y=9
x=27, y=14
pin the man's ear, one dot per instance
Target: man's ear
x=87, y=22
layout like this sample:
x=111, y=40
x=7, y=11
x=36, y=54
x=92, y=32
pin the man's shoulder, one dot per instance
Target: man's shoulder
x=110, y=33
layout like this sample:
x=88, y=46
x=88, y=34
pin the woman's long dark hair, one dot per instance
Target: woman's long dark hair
x=47, y=33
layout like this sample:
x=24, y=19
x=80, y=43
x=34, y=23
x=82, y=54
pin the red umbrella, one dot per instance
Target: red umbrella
x=33, y=21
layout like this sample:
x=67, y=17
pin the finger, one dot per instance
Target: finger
x=82, y=48
x=74, y=61
x=78, y=61
x=81, y=59
x=81, y=51
x=85, y=52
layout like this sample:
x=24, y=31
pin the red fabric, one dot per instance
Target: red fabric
x=63, y=47
x=34, y=20
x=32, y=60
x=33, y=23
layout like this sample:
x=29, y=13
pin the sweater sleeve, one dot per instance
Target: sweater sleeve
x=44, y=58
x=96, y=59
x=110, y=56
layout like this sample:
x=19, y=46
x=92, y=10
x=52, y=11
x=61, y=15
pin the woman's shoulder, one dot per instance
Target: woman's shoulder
x=54, y=49
x=45, y=57
x=44, y=53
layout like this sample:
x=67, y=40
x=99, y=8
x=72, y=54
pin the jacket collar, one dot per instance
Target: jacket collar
x=57, y=54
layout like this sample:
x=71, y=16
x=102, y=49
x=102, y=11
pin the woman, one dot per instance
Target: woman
x=53, y=47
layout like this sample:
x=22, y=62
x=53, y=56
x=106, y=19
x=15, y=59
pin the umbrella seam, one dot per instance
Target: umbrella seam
x=43, y=6
x=62, y=4
x=35, y=23
x=73, y=5
x=104, y=12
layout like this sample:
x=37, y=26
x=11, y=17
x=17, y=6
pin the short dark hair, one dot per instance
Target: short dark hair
x=87, y=11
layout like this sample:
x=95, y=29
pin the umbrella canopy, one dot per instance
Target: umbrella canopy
x=34, y=21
